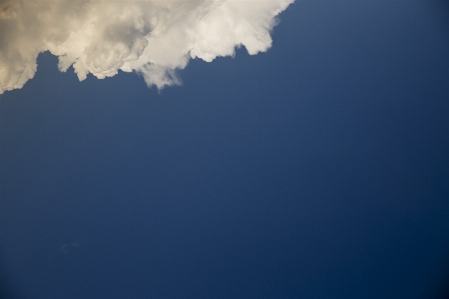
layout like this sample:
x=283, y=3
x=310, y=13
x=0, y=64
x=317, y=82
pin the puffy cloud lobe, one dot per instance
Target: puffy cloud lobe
x=152, y=37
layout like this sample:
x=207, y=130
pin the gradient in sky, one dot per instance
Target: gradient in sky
x=317, y=169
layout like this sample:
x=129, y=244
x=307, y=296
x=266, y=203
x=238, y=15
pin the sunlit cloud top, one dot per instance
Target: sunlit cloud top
x=153, y=38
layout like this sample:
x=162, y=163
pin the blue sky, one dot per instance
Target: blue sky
x=318, y=169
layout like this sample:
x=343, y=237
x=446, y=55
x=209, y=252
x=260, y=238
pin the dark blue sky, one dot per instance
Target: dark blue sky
x=319, y=169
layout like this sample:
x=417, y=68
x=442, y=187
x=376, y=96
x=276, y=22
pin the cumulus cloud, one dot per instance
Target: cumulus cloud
x=152, y=37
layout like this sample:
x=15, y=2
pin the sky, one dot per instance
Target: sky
x=316, y=167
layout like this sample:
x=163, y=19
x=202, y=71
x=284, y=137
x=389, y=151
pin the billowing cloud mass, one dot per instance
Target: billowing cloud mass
x=152, y=37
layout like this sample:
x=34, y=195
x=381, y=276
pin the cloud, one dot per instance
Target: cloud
x=152, y=37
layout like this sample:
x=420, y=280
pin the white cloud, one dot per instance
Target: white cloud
x=151, y=37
